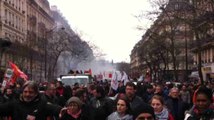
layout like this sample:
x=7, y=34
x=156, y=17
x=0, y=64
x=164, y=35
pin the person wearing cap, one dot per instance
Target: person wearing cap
x=74, y=110
x=203, y=108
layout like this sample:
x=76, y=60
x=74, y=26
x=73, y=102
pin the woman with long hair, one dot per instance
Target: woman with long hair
x=123, y=111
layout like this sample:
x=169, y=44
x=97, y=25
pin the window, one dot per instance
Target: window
x=5, y=16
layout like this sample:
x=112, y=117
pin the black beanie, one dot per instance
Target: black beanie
x=206, y=91
x=144, y=108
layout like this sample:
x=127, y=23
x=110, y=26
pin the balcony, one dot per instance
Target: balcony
x=203, y=43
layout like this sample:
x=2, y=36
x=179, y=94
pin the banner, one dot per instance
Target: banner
x=125, y=78
x=114, y=81
x=7, y=77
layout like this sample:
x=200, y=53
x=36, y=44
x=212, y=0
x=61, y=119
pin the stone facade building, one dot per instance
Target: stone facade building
x=23, y=31
x=178, y=25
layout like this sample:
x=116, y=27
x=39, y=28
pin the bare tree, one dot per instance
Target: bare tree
x=176, y=15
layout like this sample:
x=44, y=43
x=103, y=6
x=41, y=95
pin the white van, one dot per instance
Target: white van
x=72, y=79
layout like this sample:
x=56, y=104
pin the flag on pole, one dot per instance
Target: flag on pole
x=17, y=73
x=114, y=81
x=125, y=78
x=119, y=76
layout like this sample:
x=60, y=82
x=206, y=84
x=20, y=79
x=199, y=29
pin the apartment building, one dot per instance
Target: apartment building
x=172, y=22
x=12, y=26
x=166, y=44
x=40, y=24
x=203, y=47
x=23, y=30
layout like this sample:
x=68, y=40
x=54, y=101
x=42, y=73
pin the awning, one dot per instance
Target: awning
x=194, y=75
x=212, y=75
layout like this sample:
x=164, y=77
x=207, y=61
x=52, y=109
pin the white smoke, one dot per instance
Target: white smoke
x=97, y=66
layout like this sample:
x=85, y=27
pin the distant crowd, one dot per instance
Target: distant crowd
x=97, y=101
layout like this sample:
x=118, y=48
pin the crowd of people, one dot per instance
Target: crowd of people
x=97, y=101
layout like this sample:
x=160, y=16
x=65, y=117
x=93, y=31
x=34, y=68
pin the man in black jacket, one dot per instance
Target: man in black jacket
x=175, y=105
x=29, y=106
x=102, y=106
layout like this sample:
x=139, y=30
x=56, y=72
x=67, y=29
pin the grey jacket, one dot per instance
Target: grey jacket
x=115, y=116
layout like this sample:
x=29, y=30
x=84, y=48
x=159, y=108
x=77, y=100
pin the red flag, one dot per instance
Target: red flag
x=110, y=75
x=90, y=72
x=17, y=72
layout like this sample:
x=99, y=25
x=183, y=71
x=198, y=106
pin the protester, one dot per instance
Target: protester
x=203, y=108
x=123, y=110
x=29, y=106
x=102, y=106
x=74, y=110
x=144, y=113
x=159, y=90
x=134, y=100
x=50, y=93
x=185, y=96
x=175, y=104
x=148, y=93
x=61, y=93
x=8, y=95
x=161, y=112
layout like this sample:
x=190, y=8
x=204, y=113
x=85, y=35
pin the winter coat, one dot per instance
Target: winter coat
x=21, y=110
x=193, y=114
x=102, y=107
x=176, y=108
x=135, y=102
x=82, y=116
x=115, y=116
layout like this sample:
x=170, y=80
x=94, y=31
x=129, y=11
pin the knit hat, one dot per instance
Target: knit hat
x=144, y=108
x=75, y=100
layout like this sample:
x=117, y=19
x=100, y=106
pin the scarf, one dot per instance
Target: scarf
x=74, y=115
x=163, y=115
x=204, y=114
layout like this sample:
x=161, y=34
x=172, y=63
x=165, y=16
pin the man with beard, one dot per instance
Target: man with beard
x=134, y=100
x=29, y=106
x=175, y=104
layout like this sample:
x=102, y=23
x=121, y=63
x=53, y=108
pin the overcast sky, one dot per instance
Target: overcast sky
x=109, y=24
